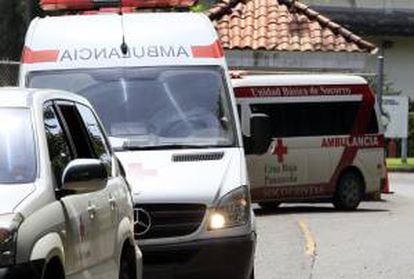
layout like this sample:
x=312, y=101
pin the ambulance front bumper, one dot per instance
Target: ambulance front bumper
x=202, y=259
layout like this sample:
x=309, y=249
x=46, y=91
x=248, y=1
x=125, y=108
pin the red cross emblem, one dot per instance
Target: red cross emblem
x=280, y=150
x=138, y=171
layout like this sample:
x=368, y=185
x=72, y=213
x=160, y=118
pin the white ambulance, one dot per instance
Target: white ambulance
x=161, y=87
x=310, y=138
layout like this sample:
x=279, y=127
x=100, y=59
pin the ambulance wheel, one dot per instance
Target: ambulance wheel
x=349, y=191
x=269, y=205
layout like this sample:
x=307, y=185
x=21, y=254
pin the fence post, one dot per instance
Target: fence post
x=9, y=72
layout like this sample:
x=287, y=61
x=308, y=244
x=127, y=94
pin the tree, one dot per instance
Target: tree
x=14, y=18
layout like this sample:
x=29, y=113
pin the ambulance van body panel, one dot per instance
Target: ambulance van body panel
x=166, y=101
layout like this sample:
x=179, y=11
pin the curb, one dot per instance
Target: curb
x=403, y=170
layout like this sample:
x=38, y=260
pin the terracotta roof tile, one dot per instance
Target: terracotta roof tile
x=280, y=25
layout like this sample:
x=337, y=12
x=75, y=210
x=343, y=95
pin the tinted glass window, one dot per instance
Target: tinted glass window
x=17, y=147
x=59, y=150
x=77, y=131
x=309, y=119
x=96, y=135
x=153, y=107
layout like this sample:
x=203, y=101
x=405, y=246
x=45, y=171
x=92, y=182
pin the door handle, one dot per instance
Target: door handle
x=92, y=211
x=112, y=202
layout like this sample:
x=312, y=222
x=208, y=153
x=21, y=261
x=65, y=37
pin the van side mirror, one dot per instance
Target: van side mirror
x=260, y=134
x=84, y=176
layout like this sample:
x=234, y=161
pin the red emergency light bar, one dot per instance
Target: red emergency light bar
x=124, y=10
x=82, y=5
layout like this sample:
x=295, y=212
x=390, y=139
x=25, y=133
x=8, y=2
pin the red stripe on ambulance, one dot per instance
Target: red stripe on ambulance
x=299, y=91
x=62, y=5
x=39, y=56
x=360, y=127
x=44, y=56
x=290, y=192
x=214, y=50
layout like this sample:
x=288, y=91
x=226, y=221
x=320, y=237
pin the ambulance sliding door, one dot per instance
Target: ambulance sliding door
x=294, y=161
x=285, y=162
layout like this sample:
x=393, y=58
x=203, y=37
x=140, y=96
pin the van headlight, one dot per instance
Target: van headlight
x=9, y=225
x=232, y=210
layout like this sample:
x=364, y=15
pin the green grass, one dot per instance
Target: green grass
x=396, y=164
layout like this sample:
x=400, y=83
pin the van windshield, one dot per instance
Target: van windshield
x=155, y=107
x=17, y=148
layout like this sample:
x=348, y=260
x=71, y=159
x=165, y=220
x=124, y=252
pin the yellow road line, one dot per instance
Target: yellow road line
x=310, y=246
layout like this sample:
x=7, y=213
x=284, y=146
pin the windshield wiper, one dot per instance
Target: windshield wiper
x=168, y=146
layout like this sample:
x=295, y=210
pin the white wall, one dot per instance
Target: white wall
x=399, y=64
x=298, y=61
x=387, y=5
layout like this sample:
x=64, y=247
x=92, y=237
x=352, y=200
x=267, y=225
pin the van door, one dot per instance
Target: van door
x=98, y=221
x=329, y=123
x=113, y=199
x=60, y=154
x=284, y=165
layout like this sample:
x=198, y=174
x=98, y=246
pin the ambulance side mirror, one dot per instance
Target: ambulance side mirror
x=260, y=134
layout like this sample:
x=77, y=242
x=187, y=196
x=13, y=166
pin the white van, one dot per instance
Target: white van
x=166, y=101
x=322, y=140
x=65, y=209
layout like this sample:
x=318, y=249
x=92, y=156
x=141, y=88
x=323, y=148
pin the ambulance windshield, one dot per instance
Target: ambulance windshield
x=152, y=108
x=17, y=148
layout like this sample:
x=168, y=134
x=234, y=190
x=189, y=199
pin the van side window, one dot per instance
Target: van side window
x=59, y=150
x=76, y=131
x=96, y=135
x=309, y=119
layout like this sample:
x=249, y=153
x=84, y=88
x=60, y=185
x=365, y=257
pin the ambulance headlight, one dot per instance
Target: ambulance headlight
x=8, y=235
x=232, y=210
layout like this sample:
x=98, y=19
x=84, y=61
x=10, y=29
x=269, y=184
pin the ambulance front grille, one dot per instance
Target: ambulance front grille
x=167, y=220
x=211, y=156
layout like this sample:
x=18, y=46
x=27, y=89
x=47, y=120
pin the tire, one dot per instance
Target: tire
x=269, y=205
x=127, y=268
x=53, y=270
x=349, y=191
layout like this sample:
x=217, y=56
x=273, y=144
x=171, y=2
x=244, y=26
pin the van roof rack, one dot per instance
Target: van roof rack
x=88, y=5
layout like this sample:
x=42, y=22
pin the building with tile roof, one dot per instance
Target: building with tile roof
x=286, y=35
x=387, y=23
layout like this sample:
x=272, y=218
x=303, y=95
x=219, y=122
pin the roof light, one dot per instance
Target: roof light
x=124, y=10
x=64, y=5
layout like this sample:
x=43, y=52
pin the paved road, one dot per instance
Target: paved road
x=314, y=241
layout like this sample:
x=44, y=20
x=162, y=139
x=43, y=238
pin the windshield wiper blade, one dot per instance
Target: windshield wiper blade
x=166, y=147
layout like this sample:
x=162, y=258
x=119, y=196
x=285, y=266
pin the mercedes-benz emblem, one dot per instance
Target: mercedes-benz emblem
x=142, y=221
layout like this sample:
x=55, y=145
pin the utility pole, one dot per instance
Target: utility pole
x=380, y=78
